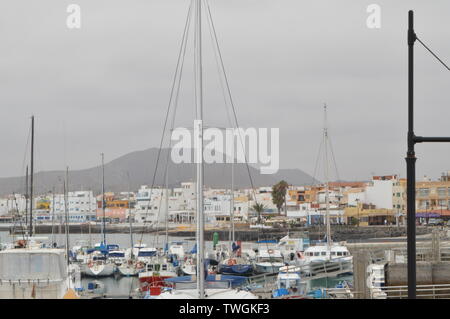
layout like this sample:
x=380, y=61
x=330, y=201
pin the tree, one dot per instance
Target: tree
x=279, y=194
x=259, y=208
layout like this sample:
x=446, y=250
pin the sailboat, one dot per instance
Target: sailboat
x=329, y=255
x=199, y=287
x=30, y=271
x=234, y=264
x=98, y=264
x=129, y=266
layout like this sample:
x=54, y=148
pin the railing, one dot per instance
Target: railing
x=323, y=269
x=438, y=291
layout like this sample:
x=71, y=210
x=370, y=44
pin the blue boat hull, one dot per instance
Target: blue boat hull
x=240, y=269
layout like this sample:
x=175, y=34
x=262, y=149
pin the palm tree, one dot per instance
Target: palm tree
x=279, y=191
x=259, y=208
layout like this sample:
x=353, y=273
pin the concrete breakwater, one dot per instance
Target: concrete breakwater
x=339, y=232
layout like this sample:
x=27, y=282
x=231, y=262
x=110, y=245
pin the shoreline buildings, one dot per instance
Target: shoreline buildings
x=381, y=201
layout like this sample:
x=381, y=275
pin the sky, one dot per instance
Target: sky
x=105, y=87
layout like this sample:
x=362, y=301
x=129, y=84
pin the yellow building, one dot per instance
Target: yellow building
x=431, y=195
x=369, y=216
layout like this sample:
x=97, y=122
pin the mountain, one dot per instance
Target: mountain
x=140, y=166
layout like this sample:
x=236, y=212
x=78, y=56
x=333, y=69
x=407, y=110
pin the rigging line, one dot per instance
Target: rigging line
x=169, y=105
x=227, y=107
x=26, y=152
x=176, y=74
x=231, y=102
x=232, y=106
x=317, y=163
x=429, y=50
x=230, y=96
x=334, y=159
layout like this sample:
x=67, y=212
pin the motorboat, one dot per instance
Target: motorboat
x=268, y=261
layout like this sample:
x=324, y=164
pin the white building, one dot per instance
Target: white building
x=82, y=206
x=151, y=208
x=12, y=203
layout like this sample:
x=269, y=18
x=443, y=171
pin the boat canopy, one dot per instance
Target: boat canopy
x=32, y=264
x=147, y=253
x=112, y=247
x=116, y=254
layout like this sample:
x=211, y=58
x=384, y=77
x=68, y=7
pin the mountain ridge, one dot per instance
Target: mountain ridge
x=140, y=166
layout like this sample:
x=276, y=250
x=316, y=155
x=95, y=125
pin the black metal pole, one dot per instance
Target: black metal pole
x=31, y=176
x=26, y=197
x=411, y=166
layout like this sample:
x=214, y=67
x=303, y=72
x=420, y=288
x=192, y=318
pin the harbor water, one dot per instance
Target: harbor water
x=124, y=286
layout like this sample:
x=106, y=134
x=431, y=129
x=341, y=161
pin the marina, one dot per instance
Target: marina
x=164, y=159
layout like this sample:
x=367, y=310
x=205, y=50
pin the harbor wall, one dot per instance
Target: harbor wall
x=428, y=273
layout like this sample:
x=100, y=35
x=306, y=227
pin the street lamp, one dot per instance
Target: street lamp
x=357, y=207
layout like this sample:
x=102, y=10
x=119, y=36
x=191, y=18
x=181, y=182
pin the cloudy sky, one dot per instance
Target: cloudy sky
x=105, y=87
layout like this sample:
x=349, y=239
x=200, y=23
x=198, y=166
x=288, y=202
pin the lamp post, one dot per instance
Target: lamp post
x=357, y=207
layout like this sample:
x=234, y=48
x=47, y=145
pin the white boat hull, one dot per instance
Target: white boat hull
x=271, y=268
x=209, y=294
x=126, y=270
x=96, y=270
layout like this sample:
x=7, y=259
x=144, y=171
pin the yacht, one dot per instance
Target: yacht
x=155, y=272
x=236, y=266
x=321, y=258
x=290, y=284
x=33, y=272
x=213, y=289
x=98, y=265
x=268, y=261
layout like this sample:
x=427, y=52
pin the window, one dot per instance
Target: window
x=323, y=253
x=339, y=253
x=442, y=191
x=316, y=253
x=423, y=192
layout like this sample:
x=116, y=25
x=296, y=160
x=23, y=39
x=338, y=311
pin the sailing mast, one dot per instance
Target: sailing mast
x=90, y=214
x=198, y=126
x=327, y=188
x=231, y=235
x=66, y=212
x=103, y=200
x=167, y=207
x=31, y=176
x=53, y=215
x=129, y=215
x=26, y=197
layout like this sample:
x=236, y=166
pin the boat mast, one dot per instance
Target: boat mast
x=31, y=176
x=231, y=235
x=26, y=197
x=327, y=188
x=199, y=150
x=89, y=226
x=166, y=244
x=103, y=199
x=66, y=212
x=129, y=215
x=53, y=215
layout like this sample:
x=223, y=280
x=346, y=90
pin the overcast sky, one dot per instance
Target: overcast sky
x=105, y=87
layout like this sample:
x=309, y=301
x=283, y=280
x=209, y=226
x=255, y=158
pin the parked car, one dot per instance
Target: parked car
x=435, y=222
